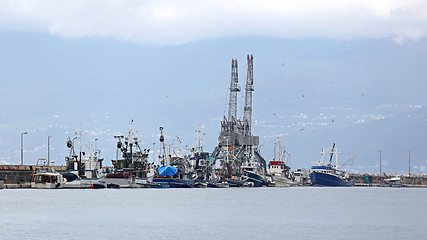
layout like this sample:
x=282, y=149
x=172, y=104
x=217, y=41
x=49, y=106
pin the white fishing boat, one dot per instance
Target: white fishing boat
x=278, y=171
x=45, y=177
x=85, y=169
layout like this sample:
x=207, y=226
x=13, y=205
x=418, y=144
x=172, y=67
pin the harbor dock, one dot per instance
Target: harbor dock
x=19, y=176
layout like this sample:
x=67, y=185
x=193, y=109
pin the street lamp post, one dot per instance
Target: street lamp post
x=22, y=147
x=48, y=149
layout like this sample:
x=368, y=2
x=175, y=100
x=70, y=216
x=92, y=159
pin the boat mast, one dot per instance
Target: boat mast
x=80, y=149
x=276, y=149
x=165, y=153
x=323, y=156
x=332, y=154
x=131, y=139
x=336, y=158
x=199, y=140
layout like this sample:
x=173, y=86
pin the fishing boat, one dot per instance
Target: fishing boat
x=172, y=176
x=278, y=171
x=202, y=165
x=175, y=171
x=45, y=177
x=132, y=170
x=329, y=174
x=253, y=170
x=85, y=169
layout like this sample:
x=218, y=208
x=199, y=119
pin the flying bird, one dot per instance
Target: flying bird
x=302, y=95
x=301, y=129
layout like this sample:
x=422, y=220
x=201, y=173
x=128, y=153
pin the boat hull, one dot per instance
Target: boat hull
x=82, y=183
x=281, y=181
x=46, y=185
x=175, y=183
x=257, y=179
x=236, y=182
x=329, y=180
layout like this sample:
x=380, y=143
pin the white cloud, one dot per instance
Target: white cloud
x=176, y=22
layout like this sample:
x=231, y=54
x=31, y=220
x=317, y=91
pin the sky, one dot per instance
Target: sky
x=350, y=72
x=170, y=22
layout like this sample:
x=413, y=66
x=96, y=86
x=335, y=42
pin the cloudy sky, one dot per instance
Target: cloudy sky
x=177, y=22
x=350, y=72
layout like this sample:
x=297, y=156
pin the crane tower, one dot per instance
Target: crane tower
x=247, y=117
x=234, y=89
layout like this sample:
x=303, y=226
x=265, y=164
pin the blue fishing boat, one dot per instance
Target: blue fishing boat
x=257, y=179
x=175, y=171
x=329, y=175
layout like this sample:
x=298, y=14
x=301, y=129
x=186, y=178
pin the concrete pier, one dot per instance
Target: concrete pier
x=367, y=180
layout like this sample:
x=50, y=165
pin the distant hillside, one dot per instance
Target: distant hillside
x=313, y=93
x=395, y=135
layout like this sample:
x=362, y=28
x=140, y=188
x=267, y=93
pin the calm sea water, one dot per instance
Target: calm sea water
x=246, y=213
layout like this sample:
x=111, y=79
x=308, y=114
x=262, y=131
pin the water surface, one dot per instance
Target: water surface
x=243, y=213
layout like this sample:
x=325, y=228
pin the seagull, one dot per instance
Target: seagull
x=274, y=114
x=301, y=129
x=332, y=120
x=302, y=95
x=362, y=94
